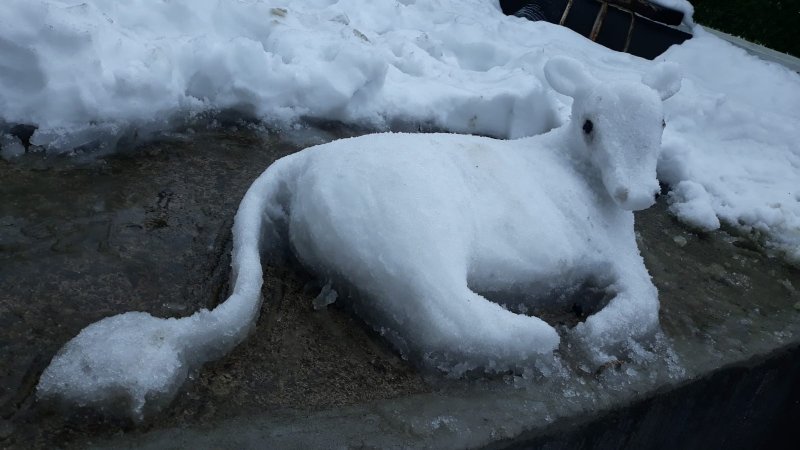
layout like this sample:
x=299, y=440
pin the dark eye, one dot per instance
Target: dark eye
x=588, y=126
x=663, y=124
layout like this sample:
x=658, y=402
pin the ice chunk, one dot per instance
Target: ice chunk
x=326, y=297
x=10, y=147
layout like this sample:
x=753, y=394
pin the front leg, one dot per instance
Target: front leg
x=631, y=314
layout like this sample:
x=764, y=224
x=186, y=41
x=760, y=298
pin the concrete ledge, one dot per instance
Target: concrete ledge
x=149, y=233
x=755, y=404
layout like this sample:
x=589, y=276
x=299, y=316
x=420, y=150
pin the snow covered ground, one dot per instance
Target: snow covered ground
x=87, y=73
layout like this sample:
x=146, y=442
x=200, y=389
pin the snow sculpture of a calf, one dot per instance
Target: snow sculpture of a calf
x=417, y=223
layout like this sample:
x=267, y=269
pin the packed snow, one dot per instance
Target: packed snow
x=417, y=224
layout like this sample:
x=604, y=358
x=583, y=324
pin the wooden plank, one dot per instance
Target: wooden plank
x=649, y=10
x=566, y=12
x=598, y=21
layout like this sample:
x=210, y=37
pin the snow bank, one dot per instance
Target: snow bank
x=733, y=135
x=89, y=71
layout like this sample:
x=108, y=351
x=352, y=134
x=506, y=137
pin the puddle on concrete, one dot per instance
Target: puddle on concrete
x=149, y=231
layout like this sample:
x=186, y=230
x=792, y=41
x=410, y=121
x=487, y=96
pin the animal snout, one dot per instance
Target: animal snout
x=634, y=199
x=621, y=194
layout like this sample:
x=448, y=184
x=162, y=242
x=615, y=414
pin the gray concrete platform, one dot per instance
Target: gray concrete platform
x=767, y=54
x=149, y=230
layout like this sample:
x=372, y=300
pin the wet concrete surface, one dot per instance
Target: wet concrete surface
x=149, y=230
x=749, y=405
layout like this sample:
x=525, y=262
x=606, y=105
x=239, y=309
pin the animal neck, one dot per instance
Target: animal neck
x=567, y=146
x=567, y=142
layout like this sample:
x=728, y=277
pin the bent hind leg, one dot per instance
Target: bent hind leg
x=455, y=329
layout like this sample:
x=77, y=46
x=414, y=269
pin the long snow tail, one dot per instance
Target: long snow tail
x=218, y=331
x=133, y=364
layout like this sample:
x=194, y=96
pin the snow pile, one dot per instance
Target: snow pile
x=732, y=143
x=691, y=203
x=92, y=71
x=681, y=5
x=417, y=232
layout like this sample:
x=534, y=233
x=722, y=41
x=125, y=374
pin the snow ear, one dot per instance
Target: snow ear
x=567, y=76
x=664, y=78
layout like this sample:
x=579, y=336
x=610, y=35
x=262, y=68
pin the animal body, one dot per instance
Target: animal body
x=419, y=224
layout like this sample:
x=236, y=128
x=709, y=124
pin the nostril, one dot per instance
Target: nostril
x=622, y=195
x=656, y=195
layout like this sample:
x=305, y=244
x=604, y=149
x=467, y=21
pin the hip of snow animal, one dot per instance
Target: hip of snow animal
x=417, y=224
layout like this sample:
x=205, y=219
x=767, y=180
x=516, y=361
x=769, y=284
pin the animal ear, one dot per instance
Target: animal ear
x=567, y=76
x=664, y=78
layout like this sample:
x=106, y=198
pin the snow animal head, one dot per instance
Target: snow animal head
x=619, y=124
